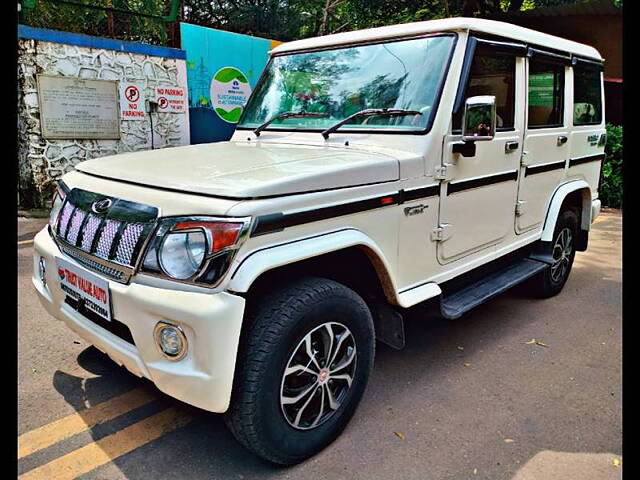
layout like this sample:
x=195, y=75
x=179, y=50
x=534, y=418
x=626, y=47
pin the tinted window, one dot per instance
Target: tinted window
x=587, y=99
x=492, y=75
x=546, y=94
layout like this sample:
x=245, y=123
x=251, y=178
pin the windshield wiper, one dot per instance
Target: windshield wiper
x=367, y=113
x=286, y=115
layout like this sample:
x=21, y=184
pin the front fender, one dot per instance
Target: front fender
x=254, y=264
x=556, y=203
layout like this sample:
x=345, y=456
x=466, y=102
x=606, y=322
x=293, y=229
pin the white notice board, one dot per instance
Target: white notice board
x=78, y=108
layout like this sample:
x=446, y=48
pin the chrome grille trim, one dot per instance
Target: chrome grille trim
x=119, y=273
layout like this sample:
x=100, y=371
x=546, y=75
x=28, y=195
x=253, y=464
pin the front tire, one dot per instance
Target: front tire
x=304, y=365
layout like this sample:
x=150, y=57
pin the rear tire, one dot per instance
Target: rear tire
x=551, y=281
x=314, y=315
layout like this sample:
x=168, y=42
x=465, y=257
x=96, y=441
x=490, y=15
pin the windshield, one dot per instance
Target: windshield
x=340, y=82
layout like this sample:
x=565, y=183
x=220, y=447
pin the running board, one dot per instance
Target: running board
x=456, y=303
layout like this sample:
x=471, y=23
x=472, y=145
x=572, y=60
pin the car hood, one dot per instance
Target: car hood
x=247, y=170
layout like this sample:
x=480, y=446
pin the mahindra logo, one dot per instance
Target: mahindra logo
x=101, y=206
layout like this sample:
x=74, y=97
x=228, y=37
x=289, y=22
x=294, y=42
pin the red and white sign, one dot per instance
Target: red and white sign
x=171, y=99
x=132, y=101
x=87, y=288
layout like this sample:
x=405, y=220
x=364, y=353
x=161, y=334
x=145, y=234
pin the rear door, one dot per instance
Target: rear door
x=588, y=134
x=477, y=205
x=546, y=141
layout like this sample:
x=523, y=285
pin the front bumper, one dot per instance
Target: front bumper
x=211, y=323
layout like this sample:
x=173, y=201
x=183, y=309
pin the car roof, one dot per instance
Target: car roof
x=490, y=27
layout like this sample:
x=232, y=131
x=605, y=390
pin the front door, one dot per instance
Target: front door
x=546, y=142
x=477, y=204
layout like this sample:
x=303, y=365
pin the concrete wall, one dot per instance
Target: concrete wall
x=40, y=160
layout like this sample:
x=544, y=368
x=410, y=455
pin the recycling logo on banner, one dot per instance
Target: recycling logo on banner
x=230, y=91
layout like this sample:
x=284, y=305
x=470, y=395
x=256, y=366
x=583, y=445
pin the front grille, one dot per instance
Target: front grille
x=107, y=241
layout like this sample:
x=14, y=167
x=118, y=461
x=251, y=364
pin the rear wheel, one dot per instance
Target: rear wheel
x=551, y=281
x=305, y=364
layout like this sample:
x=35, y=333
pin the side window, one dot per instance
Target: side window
x=587, y=96
x=492, y=75
x=546, y=94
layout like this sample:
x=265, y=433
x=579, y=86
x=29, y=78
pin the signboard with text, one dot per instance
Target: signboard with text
x=222, y=69
x=171, y=99
x=132, y=101
x=78, y=108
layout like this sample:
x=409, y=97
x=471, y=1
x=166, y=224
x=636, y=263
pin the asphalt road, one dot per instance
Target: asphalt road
x=467, y=399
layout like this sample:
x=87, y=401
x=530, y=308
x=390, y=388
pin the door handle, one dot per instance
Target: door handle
x=561, y=140
x=510, y=147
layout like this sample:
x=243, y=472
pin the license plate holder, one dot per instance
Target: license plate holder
x=86, y=292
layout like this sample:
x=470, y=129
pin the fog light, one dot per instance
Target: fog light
x=42, y=270
x=171, y=340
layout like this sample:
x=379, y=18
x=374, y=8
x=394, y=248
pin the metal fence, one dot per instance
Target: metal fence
x=148, y=21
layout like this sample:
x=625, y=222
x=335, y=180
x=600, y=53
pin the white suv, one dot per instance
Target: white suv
x=439, y=162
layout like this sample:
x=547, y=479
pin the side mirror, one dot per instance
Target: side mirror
x=479, y=120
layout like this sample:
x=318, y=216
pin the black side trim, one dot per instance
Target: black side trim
x=481, y=182
x=276, y=222
x=544, y=168
x=424, y=192
x=591, y=158
x=279, y=221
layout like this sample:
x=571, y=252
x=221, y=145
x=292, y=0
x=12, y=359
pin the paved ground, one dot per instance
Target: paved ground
x=468, y=399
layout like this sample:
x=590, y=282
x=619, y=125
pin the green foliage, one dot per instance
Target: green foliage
x=611, y=186
x=101, y=22
x=283, y=20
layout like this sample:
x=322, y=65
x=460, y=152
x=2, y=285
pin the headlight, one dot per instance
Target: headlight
x=56, y=204
x=196, y=250
x=181, y=254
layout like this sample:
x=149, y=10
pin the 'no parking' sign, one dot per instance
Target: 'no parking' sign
x=171, y=99
x=131, y=101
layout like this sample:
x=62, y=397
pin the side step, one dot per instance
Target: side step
x=456, y=303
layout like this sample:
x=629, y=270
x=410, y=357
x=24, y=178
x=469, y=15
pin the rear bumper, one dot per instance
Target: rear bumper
x=211, y=323
x=596, y=206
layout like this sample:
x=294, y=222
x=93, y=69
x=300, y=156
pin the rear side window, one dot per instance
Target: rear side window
x=587, y=96
x=546, y=94
x=493, y=75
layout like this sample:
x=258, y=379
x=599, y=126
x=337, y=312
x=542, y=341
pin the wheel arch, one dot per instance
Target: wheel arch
x=577, y=196
x=348, y=256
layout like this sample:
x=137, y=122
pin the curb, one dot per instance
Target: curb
x=34, y=213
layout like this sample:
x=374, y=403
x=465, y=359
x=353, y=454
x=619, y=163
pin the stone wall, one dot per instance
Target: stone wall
x=42, y=161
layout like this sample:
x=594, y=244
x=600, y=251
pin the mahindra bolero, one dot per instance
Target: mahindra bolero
x=436, y=163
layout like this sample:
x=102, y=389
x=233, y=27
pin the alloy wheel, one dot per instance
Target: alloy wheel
x=318, y=375
x=562, y=251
